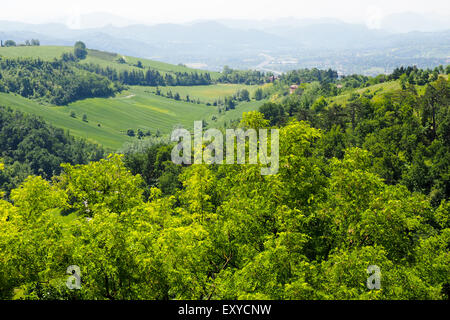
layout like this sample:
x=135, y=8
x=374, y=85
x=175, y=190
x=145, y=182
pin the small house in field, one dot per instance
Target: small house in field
x=292, y=88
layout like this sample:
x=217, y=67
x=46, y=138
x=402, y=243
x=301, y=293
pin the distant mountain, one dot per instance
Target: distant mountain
x=209, y=32
x=268, y=25
x=279, y=45
x=409, y=21
x=393, y=23
x=101, y=19
x=330, y=35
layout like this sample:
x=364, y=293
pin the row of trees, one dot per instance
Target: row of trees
x=227, y=103
x=176, y=96
x=150, y=77
x=414, y=75
x=12, y=43
x=308, y=75
x=248, y=77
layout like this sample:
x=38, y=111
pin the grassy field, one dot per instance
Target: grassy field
x=132, y=109
x=209, y=93
x=380, y=88
x=109, y=119
x=43, y=52
x=137, y=108
x=101, y=58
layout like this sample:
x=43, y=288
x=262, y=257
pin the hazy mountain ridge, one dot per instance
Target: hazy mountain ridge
x=287, y=44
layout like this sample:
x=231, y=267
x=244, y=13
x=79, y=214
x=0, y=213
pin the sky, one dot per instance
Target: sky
x=369, y=12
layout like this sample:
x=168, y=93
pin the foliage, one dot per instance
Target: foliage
x=30, y=146
x=58, y=82
x=248, y=77
x=360, y=184
x=149, y=77
x=79, y=50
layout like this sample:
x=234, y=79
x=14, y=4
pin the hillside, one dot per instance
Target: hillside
x=376, y=89
x=135, y=108
x=132, y=109
x=29, y=146
x=101, y=58
x=352, y=190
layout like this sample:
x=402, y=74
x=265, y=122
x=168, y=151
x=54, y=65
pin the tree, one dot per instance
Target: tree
x=272, y=112
x=363, y=185
x=244, y=95
x=85, y=118
x=103, y=184
x=229, y=103
x=403, y=80
x=10, y=43
x=80, y=50
x=130, y=132
x=259, y=94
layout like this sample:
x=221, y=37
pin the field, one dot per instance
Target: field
x=137, y=108
x=109, y=119
x=209, y=93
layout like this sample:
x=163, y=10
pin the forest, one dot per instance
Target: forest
x=150, y=77
x=361, y=182
x=56, y=82
x=29, y=146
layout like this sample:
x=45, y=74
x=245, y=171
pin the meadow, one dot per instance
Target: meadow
x=208, y=93
x=109, y=119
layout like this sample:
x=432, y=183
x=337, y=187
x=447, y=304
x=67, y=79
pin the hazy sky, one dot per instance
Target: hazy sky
x=157, y=11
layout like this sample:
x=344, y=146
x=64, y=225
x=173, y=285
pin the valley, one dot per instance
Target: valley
x=95, y=204
x=135, y=108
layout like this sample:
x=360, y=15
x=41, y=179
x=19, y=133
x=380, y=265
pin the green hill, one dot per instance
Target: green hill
x=108, y=119
x=209, y=93
x=376, y=90
x=134, y=109
x=104, y=59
